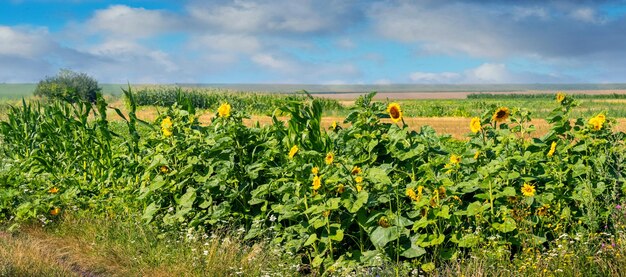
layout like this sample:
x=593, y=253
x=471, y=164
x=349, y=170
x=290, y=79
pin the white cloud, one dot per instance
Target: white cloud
x=269, y=61
x=429, y=77
x=24, y=42
x=490, y=73
x=230, y=43
x=264, y=16
x=521, y=13
x=486, y=73
x=131, y=23
x=586, y=14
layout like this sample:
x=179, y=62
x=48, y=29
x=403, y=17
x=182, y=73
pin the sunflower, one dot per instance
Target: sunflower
x=383, y=222
x=455, y=159
x=597, y=121
x=501, y=114
x=167, y=132
x=164, y=169
x=528, y=190
x=560, y=96
x=543, y=210
x=55, y=211
x=329, y=158
x=359, y=188
x=315, y=170
x=340, y=188
x=293, y=151
x=411, y=194
x=356, y=170
x=166, y=123
x=476, y=155
x=358, y=179
x=441, y=191
x=394, y=112
x=53, y=190
x=334, y=125
x=552, y=149
x=317, y=183
x=224, y=110
x=166, y=126
x=475, y=125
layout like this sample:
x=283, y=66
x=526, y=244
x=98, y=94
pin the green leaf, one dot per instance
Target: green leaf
x=338, y=236
x=413, y=252
x=474, y=208
x=361, y=199
x=148, y=213
x=428, y=267
x=312, y=238
x=381, y=236
x=507, y=226
x=507, y=192
x=188, y=198
x=378, y=176
x=444, y=212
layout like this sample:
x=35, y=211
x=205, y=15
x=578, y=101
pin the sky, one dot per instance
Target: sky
x=315, y=41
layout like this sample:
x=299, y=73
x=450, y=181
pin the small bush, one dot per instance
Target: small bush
x=69, y=86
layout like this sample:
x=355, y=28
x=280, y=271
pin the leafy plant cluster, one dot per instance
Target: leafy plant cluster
x=210, y=98
x=544, y=96
x=69, y=86
x=368, y=191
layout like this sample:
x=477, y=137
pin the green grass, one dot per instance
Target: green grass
x=539, y=107
x=119, y=245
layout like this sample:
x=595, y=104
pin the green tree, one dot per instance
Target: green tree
x=69, y=86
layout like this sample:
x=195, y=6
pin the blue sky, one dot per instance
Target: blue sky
x=315, y=41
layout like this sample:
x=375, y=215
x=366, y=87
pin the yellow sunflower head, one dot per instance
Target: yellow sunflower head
x=455, y=159
x=224, y=110
x=164, y=169
x=356, y=170
x=597, y=121
x=315, y=170
x=411, y=194
x=528, y=190
x=293, y=151
x=53, y=190
x=329, y=158
x=358, y=179
x=166, y=123
x=317, y=182
x=166, y=126
x=359, y=188
x=476, y=155
x=167, y=132
x=475, y=125
x=560, y=96
x=501, y=114
x=334, y=125
x=394, y=112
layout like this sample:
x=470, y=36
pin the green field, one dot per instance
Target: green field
x=18, y=91
x=372, y=196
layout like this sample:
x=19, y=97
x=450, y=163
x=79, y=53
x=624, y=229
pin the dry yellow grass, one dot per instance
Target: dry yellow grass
x=457, y=127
